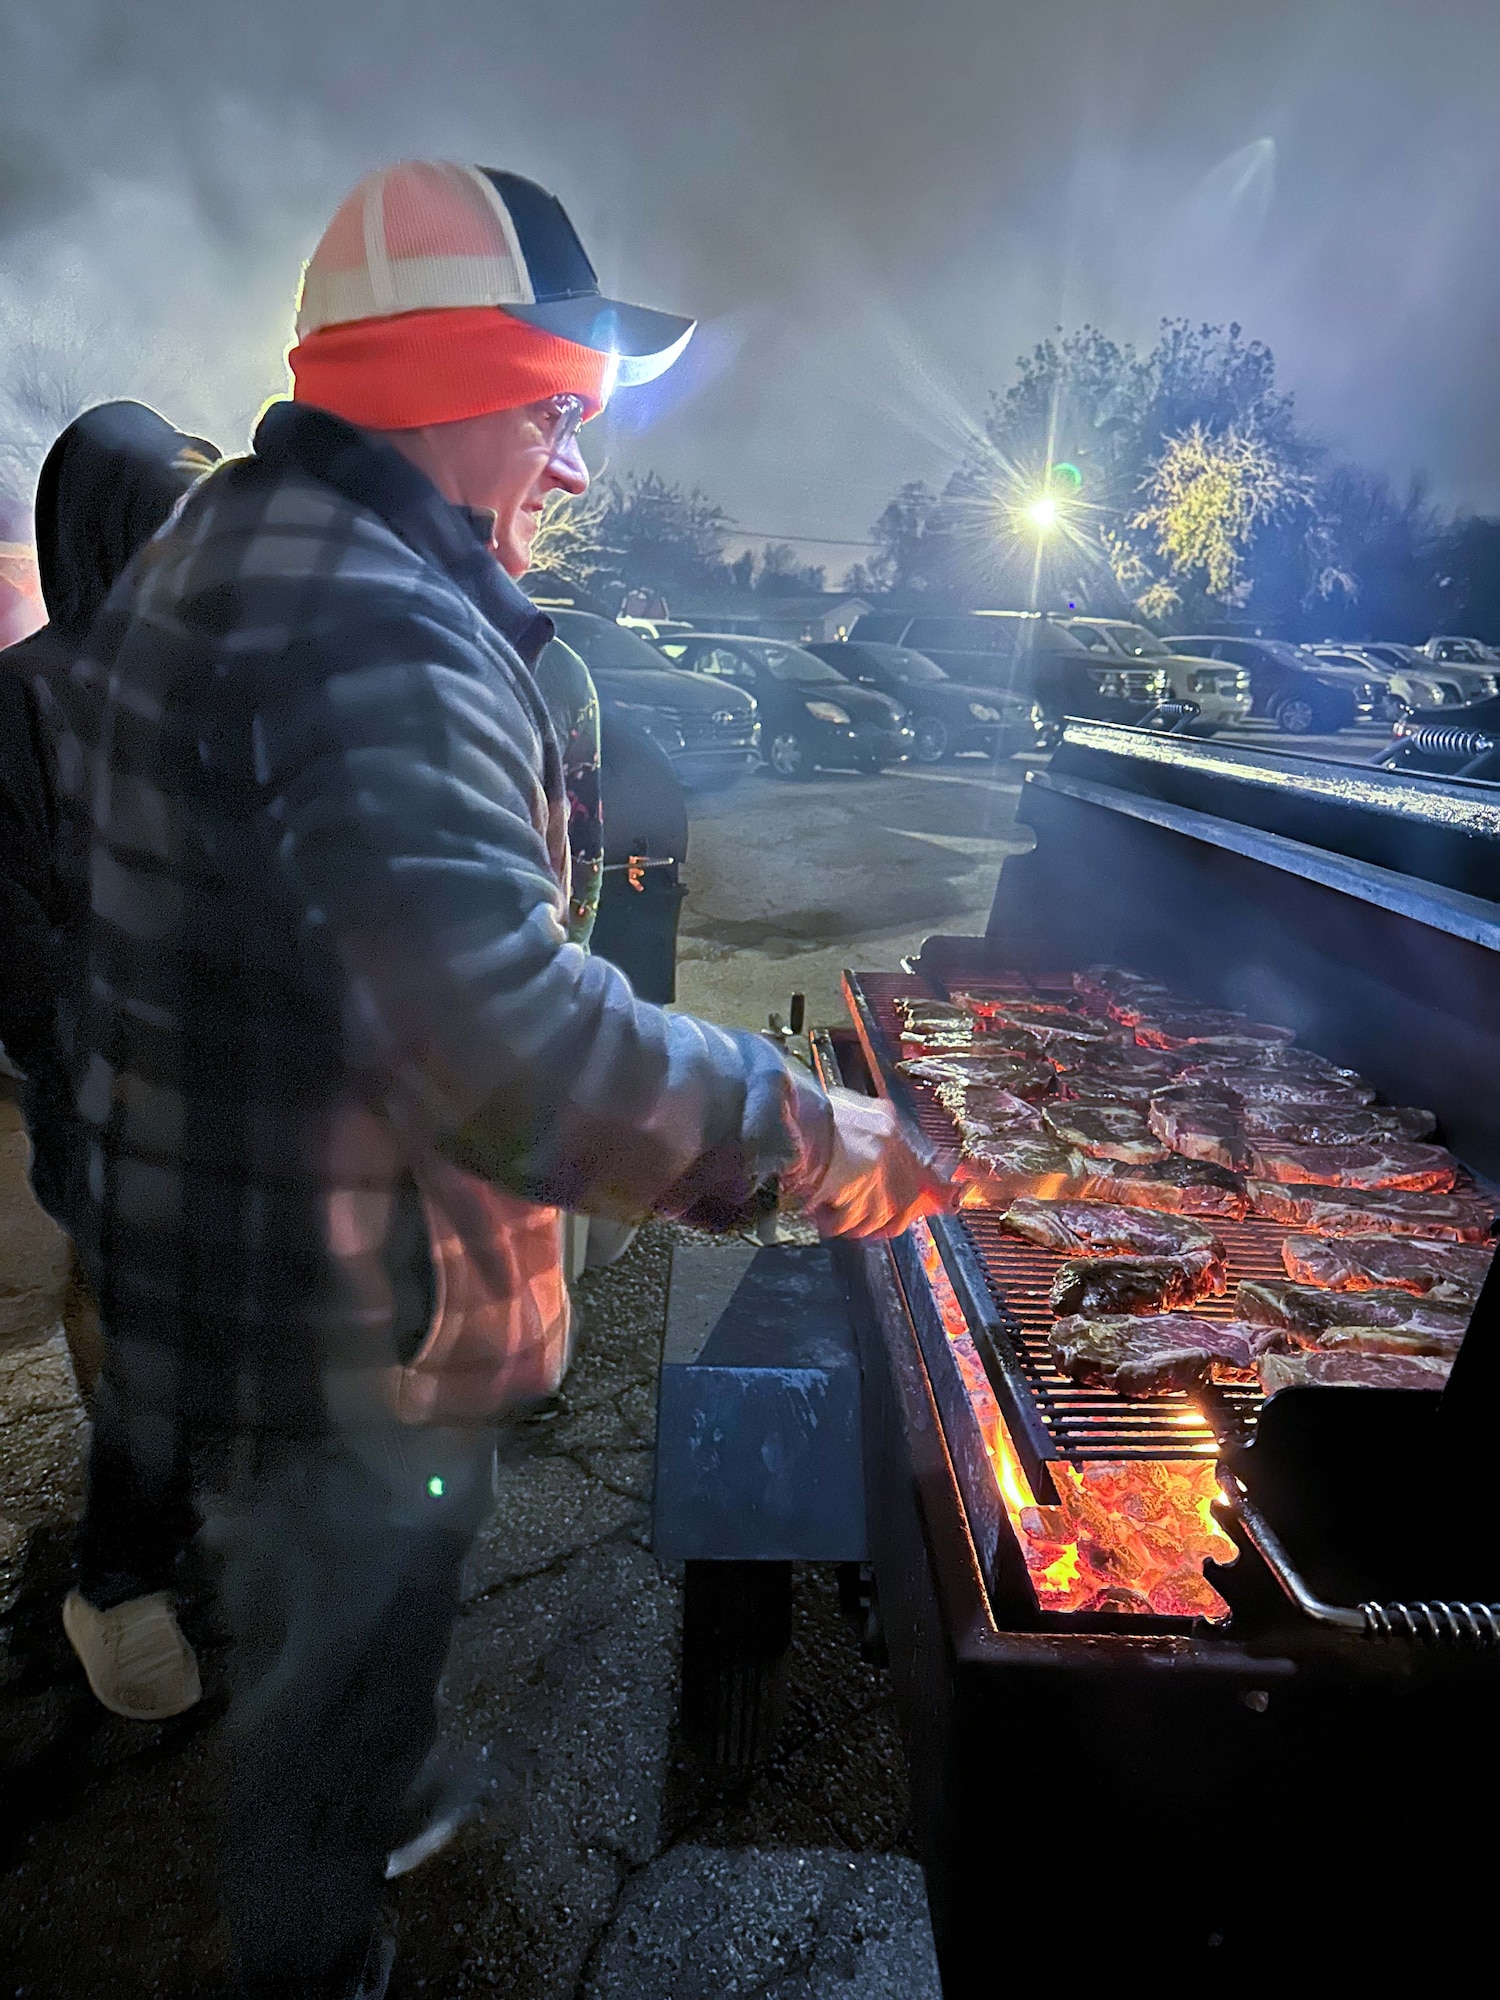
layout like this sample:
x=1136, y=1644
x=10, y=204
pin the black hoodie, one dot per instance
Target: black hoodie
x=108, y=483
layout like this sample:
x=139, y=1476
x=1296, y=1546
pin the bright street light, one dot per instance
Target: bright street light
x=1042, y=514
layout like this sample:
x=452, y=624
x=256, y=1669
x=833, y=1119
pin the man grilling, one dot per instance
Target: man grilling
x=338, y=1066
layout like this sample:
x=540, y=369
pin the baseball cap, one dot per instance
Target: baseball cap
x=430, y=235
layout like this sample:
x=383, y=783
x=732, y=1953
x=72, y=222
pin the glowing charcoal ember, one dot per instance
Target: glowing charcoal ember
x=1448, y=1272
x=1451, y=1218
x=1126, y=1539
x=1382, y=1163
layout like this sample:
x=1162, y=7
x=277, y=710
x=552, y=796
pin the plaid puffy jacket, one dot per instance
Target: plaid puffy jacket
x=334, y=1058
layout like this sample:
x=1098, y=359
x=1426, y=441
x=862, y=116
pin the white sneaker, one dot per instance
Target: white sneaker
x=138, y=1663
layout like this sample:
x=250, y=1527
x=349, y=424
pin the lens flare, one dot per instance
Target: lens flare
x=1042, y=514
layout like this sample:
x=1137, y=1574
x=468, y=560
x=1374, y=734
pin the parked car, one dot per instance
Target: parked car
x=1402, y=688
x=1460, y=681
x=1286, y=687
x=812, y=718
x=947, y=718
x=1463, y=653
x=1023, y=653
x=1220, y=693
x=711, y=735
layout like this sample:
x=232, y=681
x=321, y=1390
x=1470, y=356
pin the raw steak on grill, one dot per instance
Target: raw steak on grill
x=1450, y=1272
x=1369, y=1322
x=1384, y=1163
x=918, y=1011
x=1453, y=1218
x=1335, y=1125
x=1023, y=1076
x=1104, y=1132
x=1282, y=1083
x=1102, y=1285
x=985, y=1113
x=1351, y=1371
x=1100, y=1228
x=992, y=1173
x=1200, y=1127
x=1105, y=988
x=1174, y=1185
x=1215, y=1026
x=1148, y=1355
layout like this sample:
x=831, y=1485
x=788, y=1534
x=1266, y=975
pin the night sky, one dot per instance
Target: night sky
x=872, y=205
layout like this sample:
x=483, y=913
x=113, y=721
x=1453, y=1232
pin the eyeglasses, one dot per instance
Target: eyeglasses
x=558, y=422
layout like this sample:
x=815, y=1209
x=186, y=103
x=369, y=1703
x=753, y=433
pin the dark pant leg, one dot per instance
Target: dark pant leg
x=139, y=1514
x=340, y=1583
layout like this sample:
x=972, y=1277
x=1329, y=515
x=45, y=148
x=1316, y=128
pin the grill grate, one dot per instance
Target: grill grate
x=1083, y=1424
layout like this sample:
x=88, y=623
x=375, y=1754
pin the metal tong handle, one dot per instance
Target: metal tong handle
x=1431, y=1621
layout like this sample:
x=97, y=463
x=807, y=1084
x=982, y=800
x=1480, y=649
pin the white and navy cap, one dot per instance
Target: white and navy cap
x=429, y=234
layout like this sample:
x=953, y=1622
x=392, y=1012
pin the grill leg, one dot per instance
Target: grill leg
x=736, y=1632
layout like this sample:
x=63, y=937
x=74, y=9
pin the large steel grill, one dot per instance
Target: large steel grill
x=1197, y=1767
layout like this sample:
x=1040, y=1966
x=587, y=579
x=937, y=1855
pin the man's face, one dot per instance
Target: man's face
x=506, y=464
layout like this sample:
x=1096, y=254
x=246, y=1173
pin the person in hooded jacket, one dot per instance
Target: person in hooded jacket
x=109, y=482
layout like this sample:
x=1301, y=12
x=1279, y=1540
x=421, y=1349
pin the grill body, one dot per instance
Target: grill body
x=1149, y=1788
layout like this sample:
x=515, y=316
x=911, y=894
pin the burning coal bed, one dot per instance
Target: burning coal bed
x=1177, y=1207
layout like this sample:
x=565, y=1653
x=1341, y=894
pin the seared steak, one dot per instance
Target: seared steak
x=1174, y=1185
x=1148, y=1355
x=1104, y=1132
x=1384, y=1163
x=1450, y=1272
x=1200, y=1127
x=982, y=1112
x=1095, y=1285
x=1023, y=1076
x=993, y=1173
x=1214, y=1026
x=1371, y=1322
x=1083, y=1228
x=1271, y=1083
x=1345, y=1370
x=1335, y=1125
x=1453, y=1218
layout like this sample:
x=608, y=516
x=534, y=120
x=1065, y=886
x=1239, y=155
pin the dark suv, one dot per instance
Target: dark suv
x=1286, y=688
x=1023, y=653
x=711, y=734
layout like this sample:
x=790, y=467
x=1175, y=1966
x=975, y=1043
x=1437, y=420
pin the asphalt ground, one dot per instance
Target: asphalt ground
x=606, y=1862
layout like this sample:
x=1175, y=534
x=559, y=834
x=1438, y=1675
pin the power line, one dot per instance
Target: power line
x=822, y=541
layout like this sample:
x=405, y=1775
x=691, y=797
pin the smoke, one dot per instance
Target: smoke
x=873, y=207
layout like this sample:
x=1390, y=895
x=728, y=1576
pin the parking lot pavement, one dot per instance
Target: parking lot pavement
x=606, y=1863
x=790, y=883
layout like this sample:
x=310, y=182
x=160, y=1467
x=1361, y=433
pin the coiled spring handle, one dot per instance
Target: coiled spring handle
x=1431, y=1622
